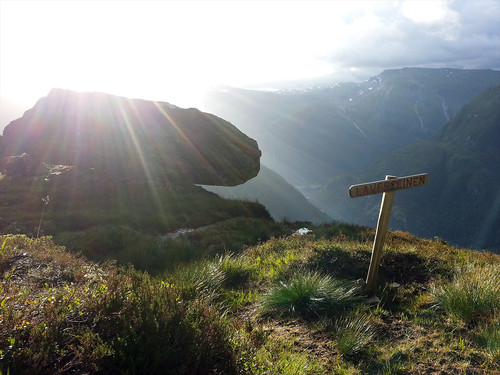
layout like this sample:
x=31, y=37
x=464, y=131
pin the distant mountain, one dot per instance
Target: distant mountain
x=311, y=136
x=462, y=201
x=281, y=199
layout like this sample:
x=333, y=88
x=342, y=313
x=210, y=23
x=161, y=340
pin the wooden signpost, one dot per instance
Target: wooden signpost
x=388, y=187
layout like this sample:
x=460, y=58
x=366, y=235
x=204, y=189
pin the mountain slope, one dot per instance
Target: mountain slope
x=311, y=136
x=461, y=203
x=83, y=160
x=271, y=190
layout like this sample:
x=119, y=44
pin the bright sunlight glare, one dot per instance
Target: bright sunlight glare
x=174, y=51
x=154, y=50
x=77, y=46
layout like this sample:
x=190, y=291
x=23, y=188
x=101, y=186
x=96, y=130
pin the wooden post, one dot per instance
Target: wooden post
x=389, y=189
x=378, y=244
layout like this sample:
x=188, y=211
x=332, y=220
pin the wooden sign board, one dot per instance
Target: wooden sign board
x=388, y=187
x=383, y=186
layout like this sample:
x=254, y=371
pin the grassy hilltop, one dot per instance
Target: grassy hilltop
x=292, y=304
x=114, y=261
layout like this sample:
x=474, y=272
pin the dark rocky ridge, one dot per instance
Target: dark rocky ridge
x=125, y=138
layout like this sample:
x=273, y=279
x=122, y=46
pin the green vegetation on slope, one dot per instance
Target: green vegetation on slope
x=461, y=203
x=61, y=314
x=124, y=219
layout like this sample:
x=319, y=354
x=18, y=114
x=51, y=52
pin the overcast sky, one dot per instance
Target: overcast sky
x=171, y=51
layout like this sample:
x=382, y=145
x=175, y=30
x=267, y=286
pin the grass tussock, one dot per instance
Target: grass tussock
x=489, y=339
x=353, y=333
x=310, y=294
x=473, y=295
x=199, y=280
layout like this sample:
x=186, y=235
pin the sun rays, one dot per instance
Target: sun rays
x=123, y=162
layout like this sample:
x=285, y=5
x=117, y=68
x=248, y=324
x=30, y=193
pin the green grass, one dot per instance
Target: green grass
x=310, y=294
x=353, y=333
x=473, y=295
x=64, y=314
x=489, y=339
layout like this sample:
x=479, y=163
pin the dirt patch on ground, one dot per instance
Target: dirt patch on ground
x=304, y=337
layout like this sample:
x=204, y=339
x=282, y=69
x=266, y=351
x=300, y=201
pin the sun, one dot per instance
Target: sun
x=157, y=50
x=98, y=46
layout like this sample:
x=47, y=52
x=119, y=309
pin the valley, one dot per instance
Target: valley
x=324, y=139
x=140, y=237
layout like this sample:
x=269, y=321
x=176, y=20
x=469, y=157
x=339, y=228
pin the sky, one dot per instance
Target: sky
x=174, y=50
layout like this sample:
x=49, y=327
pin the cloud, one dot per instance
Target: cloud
x=459, y=34
x=429, y=13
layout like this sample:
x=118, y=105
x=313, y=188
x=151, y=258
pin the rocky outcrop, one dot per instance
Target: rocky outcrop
x=125, y=138
x=17, y=165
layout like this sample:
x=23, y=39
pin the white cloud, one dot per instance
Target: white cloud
x=428, y=12
x=460, y=34
x=435, y=17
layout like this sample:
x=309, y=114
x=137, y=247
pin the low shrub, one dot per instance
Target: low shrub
x=131, y=324
x=128, y=246
x=102, y=319
x=339, y=230
x=235, y=234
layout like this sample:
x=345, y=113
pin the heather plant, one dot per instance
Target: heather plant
x=129, y=323
x=76, y=318
x=128, y=246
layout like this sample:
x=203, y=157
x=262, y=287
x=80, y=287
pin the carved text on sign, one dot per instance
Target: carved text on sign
x=383, y=186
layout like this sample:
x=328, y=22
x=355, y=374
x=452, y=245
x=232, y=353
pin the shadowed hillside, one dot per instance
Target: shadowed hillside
x=281, y=199
x=80, y=161
x=461, y=203
x=122, y=138
x=310, y=136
